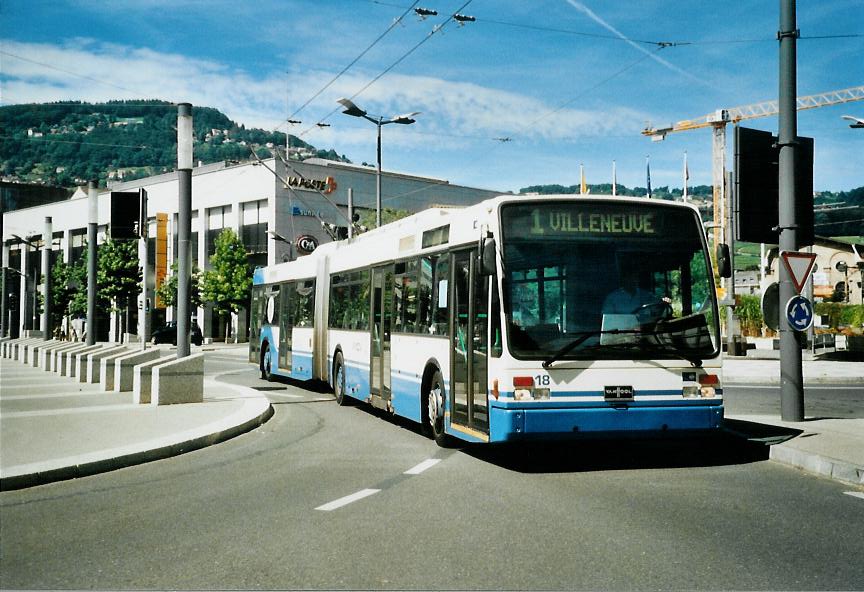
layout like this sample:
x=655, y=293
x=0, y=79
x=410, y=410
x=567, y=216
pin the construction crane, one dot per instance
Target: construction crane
x=718, y=120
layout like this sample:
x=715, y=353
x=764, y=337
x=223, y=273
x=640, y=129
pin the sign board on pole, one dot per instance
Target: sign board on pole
x=799, y=265
x=799, y=313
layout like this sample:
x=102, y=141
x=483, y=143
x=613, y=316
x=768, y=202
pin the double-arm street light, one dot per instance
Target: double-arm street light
x=355, y=111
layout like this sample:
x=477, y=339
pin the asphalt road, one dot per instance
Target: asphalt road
x=318, y=497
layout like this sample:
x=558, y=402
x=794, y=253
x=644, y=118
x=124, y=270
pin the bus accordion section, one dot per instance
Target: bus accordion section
x=535, y=317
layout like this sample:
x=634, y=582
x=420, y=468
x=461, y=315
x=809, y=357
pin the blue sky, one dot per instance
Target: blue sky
x=567, y=82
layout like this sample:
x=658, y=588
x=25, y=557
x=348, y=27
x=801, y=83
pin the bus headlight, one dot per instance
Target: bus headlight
x=524, y=389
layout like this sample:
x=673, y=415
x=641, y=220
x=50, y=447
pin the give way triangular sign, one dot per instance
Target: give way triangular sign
x=799, y=265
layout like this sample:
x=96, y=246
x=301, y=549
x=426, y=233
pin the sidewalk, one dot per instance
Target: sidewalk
x=754, y=369
x=53, y=427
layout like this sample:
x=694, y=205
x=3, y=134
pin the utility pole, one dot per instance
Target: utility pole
x=47, y=236
x=791, y=372
x=92, y=224
x=184, y=222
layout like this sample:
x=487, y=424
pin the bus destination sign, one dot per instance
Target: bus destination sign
x=556, y=222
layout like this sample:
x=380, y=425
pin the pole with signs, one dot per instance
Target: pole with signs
x=791, y=371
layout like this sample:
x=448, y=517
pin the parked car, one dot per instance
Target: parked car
x=167, y=333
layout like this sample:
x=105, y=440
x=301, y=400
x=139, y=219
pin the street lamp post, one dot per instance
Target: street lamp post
x=406, y=119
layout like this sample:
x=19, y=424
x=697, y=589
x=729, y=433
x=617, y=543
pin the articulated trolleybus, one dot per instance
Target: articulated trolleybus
x=517, y=318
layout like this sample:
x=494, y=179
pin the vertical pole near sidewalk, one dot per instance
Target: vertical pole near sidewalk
x=144, y=229
x=184, y=223
x=92, y=223
x=791, y=372
x=47, y=236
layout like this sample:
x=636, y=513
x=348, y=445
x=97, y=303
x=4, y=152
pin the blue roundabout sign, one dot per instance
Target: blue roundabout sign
x=799, y=313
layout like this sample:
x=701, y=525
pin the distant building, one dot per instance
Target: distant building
x=837, y=272
x=262, y=207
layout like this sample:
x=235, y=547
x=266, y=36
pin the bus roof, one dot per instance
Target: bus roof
x=416, y=234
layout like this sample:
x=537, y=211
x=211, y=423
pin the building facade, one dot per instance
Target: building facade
x=276, y=207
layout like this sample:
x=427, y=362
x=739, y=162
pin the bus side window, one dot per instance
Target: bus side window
x=425, y=288
x=440, y=316
x=495, y=347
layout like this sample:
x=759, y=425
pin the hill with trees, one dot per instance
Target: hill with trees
x=66, y=144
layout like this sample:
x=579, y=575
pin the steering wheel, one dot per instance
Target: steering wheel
x=657, y=311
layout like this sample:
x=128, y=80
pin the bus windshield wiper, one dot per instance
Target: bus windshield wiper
x=582, y=338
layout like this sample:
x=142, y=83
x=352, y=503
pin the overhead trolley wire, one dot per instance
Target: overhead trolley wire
x=355, y=60
x=434, y=30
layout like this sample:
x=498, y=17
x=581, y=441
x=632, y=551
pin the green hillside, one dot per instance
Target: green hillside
x=66, y=144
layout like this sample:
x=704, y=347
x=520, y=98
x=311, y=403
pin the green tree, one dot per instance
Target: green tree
x=228, y=284
x=68, y=291
x=118, y=275
x=167, y=292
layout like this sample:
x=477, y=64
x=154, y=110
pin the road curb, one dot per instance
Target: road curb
x=817, y=463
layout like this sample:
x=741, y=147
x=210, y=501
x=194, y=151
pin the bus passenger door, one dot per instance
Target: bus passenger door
x=468, y=347
x=286, y=324
x=380, y=319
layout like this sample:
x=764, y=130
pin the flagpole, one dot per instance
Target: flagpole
x=648, y=174
x=686, y=176
x=581, y=179
x=614, y=181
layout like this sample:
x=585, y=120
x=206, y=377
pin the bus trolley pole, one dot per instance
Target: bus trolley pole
x=184, y=223
x=791, y=372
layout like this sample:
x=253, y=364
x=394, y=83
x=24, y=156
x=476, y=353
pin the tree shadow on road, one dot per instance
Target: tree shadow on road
x=740, y=443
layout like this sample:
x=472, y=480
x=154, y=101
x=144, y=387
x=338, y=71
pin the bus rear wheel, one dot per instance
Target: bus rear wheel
x=267, y=363
x=339, y=380
x=435, y=408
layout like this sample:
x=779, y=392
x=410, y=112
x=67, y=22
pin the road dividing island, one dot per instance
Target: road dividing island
x=180, y=380
x=78, y=360
x=38, y=348
x=48, y=356
x=124, y=369
x=93, y=359
x=23, y=348
x=169, y=380
x=66, y=367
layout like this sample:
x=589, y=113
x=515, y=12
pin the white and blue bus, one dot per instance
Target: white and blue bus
x=521, y=317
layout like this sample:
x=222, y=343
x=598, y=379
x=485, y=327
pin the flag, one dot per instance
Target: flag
x=614, y=180
x=648, y=173
x=686, y=175
x=583, y=188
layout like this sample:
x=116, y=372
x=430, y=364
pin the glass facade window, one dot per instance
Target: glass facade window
x=253, y=229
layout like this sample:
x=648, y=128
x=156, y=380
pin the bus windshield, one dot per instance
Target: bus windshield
x=586, y=279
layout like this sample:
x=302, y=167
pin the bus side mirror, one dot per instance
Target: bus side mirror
x=724, y=261
x=487, y=256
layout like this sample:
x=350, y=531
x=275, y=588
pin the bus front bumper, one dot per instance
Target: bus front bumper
x=508, y=423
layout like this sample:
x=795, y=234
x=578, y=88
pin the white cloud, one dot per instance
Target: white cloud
x=83, y=69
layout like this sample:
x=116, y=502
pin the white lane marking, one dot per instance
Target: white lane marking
x=426, y=464
x=855, y=494
x=344, y=501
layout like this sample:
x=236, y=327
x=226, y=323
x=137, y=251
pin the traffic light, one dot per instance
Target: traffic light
x=757, y=192
x=125, y=215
